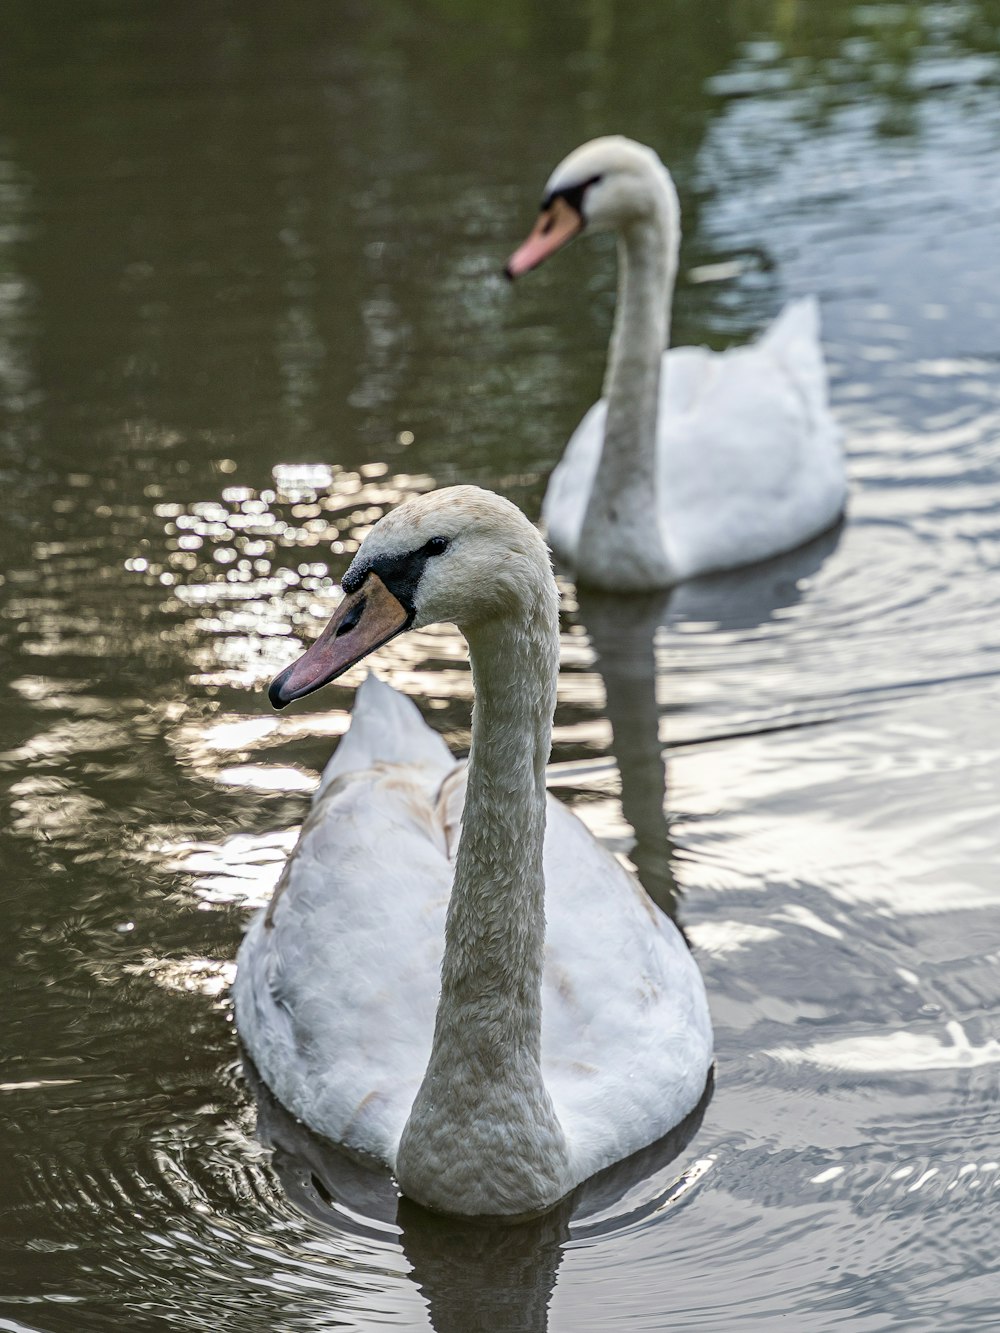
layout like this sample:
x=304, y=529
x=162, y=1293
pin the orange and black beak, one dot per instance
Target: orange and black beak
x=363, y=621
x=558, y=223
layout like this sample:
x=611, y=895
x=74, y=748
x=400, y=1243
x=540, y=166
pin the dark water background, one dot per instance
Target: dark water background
x=249, y=298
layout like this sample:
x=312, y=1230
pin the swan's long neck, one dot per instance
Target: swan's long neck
x=621, y=545
x=482, y=1135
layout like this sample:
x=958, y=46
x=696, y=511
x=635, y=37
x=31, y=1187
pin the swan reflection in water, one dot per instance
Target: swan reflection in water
x=622, y=632
x=473, y=1272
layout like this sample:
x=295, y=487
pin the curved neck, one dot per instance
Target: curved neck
x=495, y=932
x=482, y=1135
x=621, y=526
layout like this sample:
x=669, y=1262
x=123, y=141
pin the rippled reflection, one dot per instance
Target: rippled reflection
x=250, y=299
x=474, y=1271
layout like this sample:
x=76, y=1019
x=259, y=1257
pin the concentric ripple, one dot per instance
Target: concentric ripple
x=250, y=298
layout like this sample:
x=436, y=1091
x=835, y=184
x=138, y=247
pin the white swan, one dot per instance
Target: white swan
x=693, y=460
x=491, y=1060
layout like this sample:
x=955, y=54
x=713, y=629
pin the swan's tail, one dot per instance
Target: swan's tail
x=386, y=728
x=797, y=320
x=794, y=340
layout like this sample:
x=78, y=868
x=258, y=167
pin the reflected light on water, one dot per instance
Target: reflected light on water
x=273, y=777
x=895, y=1052
x=201, y=976
x=241, y=870
x=281, y=329
x=235, y=564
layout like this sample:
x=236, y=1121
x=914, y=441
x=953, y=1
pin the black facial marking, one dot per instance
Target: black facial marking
x=400, y=573
x=573, y=195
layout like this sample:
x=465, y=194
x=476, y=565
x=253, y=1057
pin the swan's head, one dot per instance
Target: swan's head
x=460, y=554
x=608, y=184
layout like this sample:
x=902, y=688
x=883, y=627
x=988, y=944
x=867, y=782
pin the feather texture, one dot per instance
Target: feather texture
x=692, y=461
x=453, y=976
x=336, y=1001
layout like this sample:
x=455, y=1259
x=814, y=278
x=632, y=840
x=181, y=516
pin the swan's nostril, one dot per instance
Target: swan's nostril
x=351, y=619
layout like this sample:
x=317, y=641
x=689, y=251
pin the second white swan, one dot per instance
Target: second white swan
x=454, y=976
x=693, y=460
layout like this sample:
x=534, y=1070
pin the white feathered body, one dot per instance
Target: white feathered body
x=748, y=455
x=337, y=985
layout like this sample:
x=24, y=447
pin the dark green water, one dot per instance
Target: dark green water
x=249, y=298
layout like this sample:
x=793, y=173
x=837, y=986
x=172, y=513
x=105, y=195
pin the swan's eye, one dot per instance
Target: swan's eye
x=435, y=546
x=574, y=193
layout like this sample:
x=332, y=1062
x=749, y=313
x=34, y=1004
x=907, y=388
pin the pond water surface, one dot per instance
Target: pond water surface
x=249, y=299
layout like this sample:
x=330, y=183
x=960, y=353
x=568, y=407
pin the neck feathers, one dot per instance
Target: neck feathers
x=621, y=536
x=482, y=1135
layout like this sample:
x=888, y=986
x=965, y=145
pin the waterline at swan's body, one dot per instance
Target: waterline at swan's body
x=454, y=976
x=356, y=948
x=748, y=461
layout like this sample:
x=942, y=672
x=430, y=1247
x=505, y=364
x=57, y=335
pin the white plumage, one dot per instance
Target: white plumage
x=748, y=458
x=693, y=460
x=338, y=985
x=337, y=1001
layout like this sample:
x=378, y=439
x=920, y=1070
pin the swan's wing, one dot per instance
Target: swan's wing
x=337, y=985
x=570, y=484
x=335, y=1000
x=626, y=1033
x=750, y=454
x=335, y=997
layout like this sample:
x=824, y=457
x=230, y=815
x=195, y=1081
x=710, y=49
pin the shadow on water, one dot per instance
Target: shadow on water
x=473, y=1272
x=623, y=634
x=747, y=598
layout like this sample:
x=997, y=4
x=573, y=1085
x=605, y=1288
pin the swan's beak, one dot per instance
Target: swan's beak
x=362, y=622
x=557, y=224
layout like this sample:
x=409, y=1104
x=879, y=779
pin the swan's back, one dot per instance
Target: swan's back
x=332, y=1000
x=748, y=453
x=336, y=999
